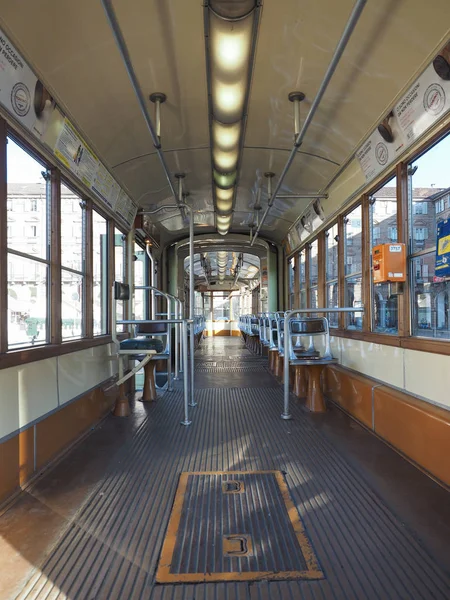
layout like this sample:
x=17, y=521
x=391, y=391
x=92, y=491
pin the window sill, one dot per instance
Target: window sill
x=410, y=343
x=28, y=355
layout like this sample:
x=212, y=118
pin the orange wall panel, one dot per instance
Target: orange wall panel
x=351, y=391
x=418, y=429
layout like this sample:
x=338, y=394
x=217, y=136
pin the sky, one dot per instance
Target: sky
x=433, y=167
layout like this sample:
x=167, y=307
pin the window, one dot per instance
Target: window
x=33, y=205
x=440, y=205
x=383, y=227
x=420, y=208
x=140, y=279
x=100, y=273
x=331, y=273
x=302, y=278
x=313, y=274
x=221, y=306
x=353, y=266
x=119, y=274
x=72, y=265
x=420, y=233
x=392, y=233
x=28, y=266
x=429, y=294
x=291, y=282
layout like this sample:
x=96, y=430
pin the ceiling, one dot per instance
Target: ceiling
x=71, y=47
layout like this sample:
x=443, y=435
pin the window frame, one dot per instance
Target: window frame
x=54, y=345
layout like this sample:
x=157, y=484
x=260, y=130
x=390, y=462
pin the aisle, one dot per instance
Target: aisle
x=347, y=543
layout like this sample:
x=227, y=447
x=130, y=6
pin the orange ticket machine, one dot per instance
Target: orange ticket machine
x=389, y=263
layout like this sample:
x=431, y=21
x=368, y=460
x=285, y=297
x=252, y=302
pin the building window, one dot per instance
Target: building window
x=383, y=212
x=28, y=266
x=420, y=208
x=440, y=205
x=331, y=273
x=33, y=206
x=429, y=291
x=100, y=273
x=353, y=266
x=392, y=233
x=73, y=265
x=420, y=233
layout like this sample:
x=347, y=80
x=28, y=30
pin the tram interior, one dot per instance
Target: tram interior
x=224, y=299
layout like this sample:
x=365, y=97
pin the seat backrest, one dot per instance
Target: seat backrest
x=156, y=328
x=309, y=326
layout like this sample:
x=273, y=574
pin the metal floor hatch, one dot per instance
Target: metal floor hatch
x=235, y=526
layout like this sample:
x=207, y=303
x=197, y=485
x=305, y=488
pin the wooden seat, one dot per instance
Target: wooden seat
x=310, y=370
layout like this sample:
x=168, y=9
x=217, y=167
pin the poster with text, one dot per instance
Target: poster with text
x=106, y=187
x=74, y=153
x=21, y=92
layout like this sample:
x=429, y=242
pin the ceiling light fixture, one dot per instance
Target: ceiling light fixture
x=230, y=35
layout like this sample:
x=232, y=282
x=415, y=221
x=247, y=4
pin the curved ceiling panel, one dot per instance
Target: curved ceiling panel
x=71, y=46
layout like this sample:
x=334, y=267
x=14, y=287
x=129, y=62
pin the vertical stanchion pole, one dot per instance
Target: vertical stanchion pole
x=177, y=339
x=191, y=301
x=185, y=376
x=287, y=353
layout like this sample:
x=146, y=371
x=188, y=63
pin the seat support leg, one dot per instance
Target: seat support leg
x=315, y=400
x=122, y=406
x=149, y=392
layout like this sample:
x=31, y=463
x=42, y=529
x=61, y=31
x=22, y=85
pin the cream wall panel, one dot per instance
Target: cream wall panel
x=374, y=360
x=80, y=371
x=9, y=403
x=428, y=375
x=38, y=391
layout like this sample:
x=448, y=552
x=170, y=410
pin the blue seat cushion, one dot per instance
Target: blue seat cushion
x=142, y=344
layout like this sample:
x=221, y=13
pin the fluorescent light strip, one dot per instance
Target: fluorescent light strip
x=230, y=43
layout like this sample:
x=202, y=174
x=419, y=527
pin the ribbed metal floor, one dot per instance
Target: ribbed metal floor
x=111, y=548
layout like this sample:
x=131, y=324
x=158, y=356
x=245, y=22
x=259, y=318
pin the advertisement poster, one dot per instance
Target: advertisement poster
x=73, y=152
x=426, y=101
x=106, y=187
x=21, y=92
x=126, y=208
x=442, y=268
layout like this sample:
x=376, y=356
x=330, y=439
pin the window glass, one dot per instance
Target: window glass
x=73, y=244
x=221, y=306
x=140, y=296
x=72, y=305
x=383, y=230
x=27, y=302
x=119, y=268
x=313, y=273
x=291, y=275
x=431, y=309
x=353, y=266
x=429, y=188
x=332, y=286
x=28, y=216
x=100, y=273
x=353, y=298
x=353, y=242
x=72, y=230
x=302, y=278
